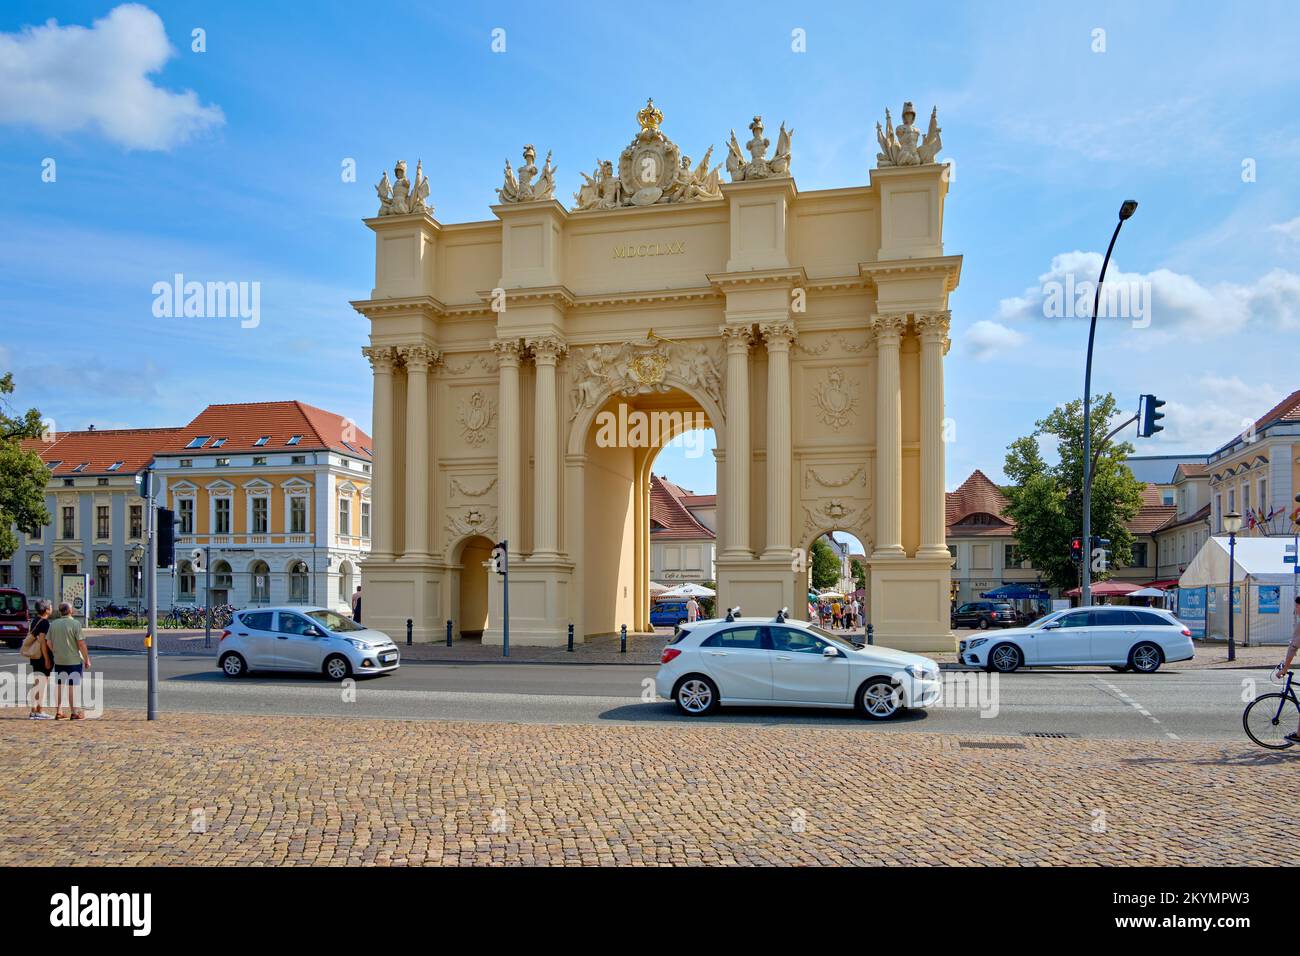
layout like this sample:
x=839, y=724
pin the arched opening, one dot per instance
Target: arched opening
x=622, y=440
x=185, y=581
x=837, y=581
x=469, y=612
x=683, y=529
x=259, y=583
x=299, y=585
x=345, y=587
x=223, y=582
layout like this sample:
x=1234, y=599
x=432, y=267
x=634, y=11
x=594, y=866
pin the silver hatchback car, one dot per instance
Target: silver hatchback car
x=308, y=639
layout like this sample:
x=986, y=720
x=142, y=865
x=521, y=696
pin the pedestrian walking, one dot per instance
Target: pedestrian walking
x=37, y=651
x=692, y=609
x=71, y=657
x=356, y=605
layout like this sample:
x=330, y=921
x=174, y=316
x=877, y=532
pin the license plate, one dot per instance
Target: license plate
x=10, y=627
x=388, y=658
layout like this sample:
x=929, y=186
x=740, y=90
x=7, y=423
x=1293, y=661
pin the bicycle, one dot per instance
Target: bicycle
x=1262, y=718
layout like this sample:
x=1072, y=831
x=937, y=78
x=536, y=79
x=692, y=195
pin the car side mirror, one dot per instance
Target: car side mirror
x=1051, y=625
x=830, y=652
x=313, y=632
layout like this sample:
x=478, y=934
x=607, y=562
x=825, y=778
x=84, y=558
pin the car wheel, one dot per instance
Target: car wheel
x=696, y=696
x=337, y=667
x=1005, y=658
x=1145, y=658
x=879, y=698
x=232, y=665
x=1118, y=669
x=983, y=624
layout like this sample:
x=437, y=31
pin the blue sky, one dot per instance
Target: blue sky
x=225, y=165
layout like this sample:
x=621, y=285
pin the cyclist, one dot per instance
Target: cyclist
x=1285, y=666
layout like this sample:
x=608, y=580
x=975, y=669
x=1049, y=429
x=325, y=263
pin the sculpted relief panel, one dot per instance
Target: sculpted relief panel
x=640, y=368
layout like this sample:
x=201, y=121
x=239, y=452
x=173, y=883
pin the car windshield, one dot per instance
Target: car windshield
x=1002, y=607
x=12, y=604
x=833, y=638
x=334, y=622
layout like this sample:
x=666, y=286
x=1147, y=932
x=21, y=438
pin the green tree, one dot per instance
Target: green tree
x=825, y=565
x=859, y=574
x=1046, y=501
x=22, y=473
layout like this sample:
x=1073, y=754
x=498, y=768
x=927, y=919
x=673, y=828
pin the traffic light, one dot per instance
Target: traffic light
x=500, y=557
x=1076, y=549
x=166, y=531
x=1148, y=415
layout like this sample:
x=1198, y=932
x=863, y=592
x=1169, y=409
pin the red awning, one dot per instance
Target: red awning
x=1164, y=585
x=1107, y=589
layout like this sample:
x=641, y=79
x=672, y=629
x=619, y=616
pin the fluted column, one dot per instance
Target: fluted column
x=546, y=485
x=889, y=437
x=778, y=336
x=508, y=472
x=933, y=328
x=418, y=359
x=737, y=339
x=384, y=535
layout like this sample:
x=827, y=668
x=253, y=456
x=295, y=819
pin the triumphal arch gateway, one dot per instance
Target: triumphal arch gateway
x=514, y=357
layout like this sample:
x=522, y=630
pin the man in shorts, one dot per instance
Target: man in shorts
x=70, y=656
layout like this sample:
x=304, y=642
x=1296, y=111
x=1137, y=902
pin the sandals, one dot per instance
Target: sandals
x=78, y=715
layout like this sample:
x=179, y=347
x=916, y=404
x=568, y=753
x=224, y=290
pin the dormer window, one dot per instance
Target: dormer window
x=115, y=466
x=54, y=464
x=262, y=441
x=218, y=443
x=198, y=441
x=81, y=467
x=294, y=440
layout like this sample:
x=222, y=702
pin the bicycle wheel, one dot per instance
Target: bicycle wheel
x=1267, y=720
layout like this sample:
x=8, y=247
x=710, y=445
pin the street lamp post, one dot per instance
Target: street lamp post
x=1126, y=209
x=1232, y=524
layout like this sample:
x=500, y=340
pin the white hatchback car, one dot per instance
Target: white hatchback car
x=312, y=639
x=1122, y=638
x=765, y=661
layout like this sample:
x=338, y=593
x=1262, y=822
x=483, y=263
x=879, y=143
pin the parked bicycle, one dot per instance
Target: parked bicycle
x=1267, y=719
x=194, y=618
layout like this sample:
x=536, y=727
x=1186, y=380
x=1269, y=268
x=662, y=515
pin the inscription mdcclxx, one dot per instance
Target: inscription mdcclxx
x=633, y=250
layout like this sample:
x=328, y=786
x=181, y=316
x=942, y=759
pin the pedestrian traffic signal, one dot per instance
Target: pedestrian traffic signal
x=500, y=559
x=1148, y=414
x=1076, y=549
x=166, y=530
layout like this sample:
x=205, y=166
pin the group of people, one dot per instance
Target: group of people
x=837, y=615
x=55, y=648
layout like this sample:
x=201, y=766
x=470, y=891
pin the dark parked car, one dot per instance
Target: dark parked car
x=13, y=617
x=984, y=614
x=668, y=613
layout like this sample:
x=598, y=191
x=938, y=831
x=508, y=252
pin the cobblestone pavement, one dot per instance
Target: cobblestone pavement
x=229, y=790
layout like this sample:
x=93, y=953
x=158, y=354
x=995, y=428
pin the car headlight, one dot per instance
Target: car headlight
x=977, y=642
x=922, y=673
x=359, y=645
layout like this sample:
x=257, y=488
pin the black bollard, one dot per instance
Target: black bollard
x=570, y=638
x=449, y=633
x=622, y=640
x=409, y=624
x=871, y=637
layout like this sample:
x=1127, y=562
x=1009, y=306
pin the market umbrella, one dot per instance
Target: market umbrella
x=830, y=595
x=688, y=590
x=1147, y=592
x=1107, y=589
x=657, y=588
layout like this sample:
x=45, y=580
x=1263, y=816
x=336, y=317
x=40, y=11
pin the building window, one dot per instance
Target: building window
x=297, y=515
x=1263, y=494
x=185, y=581
x=952, y=549
x=221, y=516
x=1012, y=558
x=187, y=462
x=365, y=519
x=260, y=582
x=101, y=482
x=223, y=462
x=294, y=439
x=68, y=482
x=1167, y=496
x=133, y=589
x=137, y=521
x=259, y=459
x=261, y=516
x=6, y=576
x=1245, y=497
x=345, y=516
x=35, y=536
x=102, y=522
x=1139, y=554
x=298, y=582
x=185, y=508
x=34, y=583
x=262, y=441
x=298, y=459
x=1232, y=500
x=218, y=443
x=103, y=583
x=197, y=442
x=81, y=467
x=69, y=521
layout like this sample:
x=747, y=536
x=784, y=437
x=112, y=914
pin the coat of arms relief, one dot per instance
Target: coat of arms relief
x=640, y=368
x=476, y=415
x=836, y=398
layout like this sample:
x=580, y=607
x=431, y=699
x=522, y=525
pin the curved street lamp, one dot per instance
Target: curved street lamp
x=1126, y=210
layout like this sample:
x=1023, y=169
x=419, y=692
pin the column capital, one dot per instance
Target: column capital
x=382, y=358
x=737, y=338
x=778, y=336
x=934, y=324
x=888, y=325
x=419, y=358
x=508, y=352
x=547, y=349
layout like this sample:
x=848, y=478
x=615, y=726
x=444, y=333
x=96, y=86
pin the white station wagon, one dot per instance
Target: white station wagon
x=1122, y=638
x=774, y=661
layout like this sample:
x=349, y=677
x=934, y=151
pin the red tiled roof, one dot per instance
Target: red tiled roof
x=669, y=519
x=1191, y=471
x=100, y=449
x=242, y=425
x=1287, y=410
x=700, y=501
x=978, y=495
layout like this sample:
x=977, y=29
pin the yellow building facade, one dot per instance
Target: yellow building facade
x=527, y=369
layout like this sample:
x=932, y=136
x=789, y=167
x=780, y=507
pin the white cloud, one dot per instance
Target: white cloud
x=986, y=340
x=62, y=79
x=1290, y=229
x=1172, y=301
x=1224, y=407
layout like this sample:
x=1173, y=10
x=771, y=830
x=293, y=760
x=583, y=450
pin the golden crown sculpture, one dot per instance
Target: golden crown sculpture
x=649, y=117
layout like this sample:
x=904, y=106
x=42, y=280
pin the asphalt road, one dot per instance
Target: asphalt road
x=1092, y=703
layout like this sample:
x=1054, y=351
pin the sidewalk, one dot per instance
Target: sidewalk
x=236, y=790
